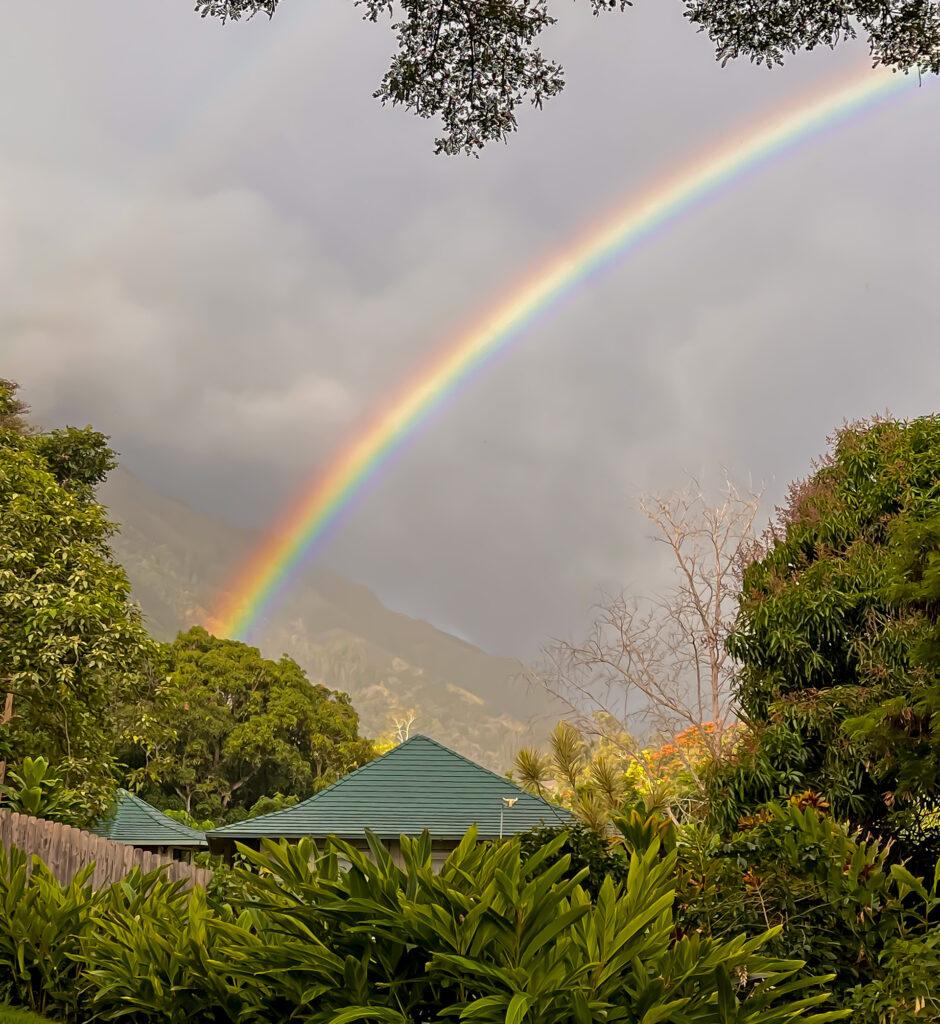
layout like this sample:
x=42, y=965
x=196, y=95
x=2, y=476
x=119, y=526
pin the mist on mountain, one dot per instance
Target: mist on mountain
x=402, y=673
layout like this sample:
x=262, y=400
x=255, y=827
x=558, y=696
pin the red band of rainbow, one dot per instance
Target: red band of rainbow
x=294, y=538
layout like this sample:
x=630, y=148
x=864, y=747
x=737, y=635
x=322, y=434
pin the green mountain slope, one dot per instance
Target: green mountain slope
x=395, y=667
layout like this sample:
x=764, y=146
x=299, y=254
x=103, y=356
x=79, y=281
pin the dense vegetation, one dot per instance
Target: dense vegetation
x=836, y=640
x=203, y=725
x=495, y=936
x=793, y=864
x=824, y=806
x=71, y=638
x=214, y=728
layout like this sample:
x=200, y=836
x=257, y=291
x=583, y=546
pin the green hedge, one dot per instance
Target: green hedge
x=13, y=1015
x=496, y=937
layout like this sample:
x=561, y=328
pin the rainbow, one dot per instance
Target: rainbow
x=297, y=535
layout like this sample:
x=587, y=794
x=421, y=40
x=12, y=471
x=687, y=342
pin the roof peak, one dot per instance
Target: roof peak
x=154, y=814
x=418, y=783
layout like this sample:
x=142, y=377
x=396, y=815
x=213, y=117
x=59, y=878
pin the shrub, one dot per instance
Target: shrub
x=906, y=991
x=13, y=1015
x=42, y=924
x=590, y=855
x=842, y=900
x=35, y=789
x=500, y=936
x=159, y=953
x=497, y=935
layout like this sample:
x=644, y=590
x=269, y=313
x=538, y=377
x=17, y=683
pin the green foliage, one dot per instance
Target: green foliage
x=902, y=34
x=35, y=791
x=593, y=779
x=904, y=731
x=200, y=824
x=823, y=638
x=79, y=458
x=842, y=900
x=41, y=928
x=592, y=856
x=12, y=408
x=589, y=854
x=906, y=990
x=71, y=638
x=13, y=1015
x=158, y=953
x=469, y=63
x=498, y=935
x=270, y=804
x=215, y=727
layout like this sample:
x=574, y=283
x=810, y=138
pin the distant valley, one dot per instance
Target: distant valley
x=392, y=665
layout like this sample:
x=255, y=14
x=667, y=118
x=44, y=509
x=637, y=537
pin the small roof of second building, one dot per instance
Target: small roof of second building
x=135, y=823
x=417, y=785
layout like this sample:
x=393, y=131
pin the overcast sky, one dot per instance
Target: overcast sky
x=216, y=247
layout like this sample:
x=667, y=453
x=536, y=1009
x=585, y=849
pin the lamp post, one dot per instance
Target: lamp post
x=507, y=801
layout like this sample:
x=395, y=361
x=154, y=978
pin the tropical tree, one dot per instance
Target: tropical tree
x=215, y=727
x=13, y=409
x=70, y=636
x=600, y=777
x=836, y=632
x=904, y=731
x=472, y=63
x=589, y=777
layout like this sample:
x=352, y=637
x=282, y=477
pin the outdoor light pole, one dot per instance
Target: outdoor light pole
x=507, y=801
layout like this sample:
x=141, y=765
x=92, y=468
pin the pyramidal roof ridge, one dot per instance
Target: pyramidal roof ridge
x=479, y=767
x=356, y=772
x=333, y=785
x=159, y=818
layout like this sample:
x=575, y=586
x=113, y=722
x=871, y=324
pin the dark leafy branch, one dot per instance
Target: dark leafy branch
x=902, y=34
x=471, y=64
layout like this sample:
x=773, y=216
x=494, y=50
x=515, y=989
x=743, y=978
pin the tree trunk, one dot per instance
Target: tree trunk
x=4, y=720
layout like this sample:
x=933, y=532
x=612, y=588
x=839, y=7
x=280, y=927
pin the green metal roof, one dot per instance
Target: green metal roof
x=136, y=823
x=415, y=786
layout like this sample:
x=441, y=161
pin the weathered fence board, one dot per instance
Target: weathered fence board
x=66, y=850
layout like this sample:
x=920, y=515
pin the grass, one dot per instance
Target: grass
x=12, y=1015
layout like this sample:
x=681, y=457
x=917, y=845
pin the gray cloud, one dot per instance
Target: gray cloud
x=220, y=250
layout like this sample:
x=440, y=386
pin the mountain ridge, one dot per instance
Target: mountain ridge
x=393, y=665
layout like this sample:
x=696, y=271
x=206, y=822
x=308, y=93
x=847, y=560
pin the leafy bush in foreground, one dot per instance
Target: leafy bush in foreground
x=41, y=927
x=847, y=906
x=35, y=789
x=13, y=1015
x=496, y=936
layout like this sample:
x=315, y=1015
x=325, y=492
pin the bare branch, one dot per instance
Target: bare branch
x=661, y=663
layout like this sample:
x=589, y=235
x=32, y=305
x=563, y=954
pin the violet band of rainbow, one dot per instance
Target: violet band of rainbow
x=294, y=538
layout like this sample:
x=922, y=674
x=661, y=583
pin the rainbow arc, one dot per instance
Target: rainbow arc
x=298, y=534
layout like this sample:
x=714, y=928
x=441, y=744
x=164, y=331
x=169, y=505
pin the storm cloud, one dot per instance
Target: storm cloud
x=216, y=247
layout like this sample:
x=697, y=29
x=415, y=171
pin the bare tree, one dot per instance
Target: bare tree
x=404, y=723
x=658, y=667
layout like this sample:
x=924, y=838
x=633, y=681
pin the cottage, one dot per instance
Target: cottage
x=419, y=785
x=134, y=822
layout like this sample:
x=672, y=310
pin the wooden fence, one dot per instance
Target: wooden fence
x=66, y=850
